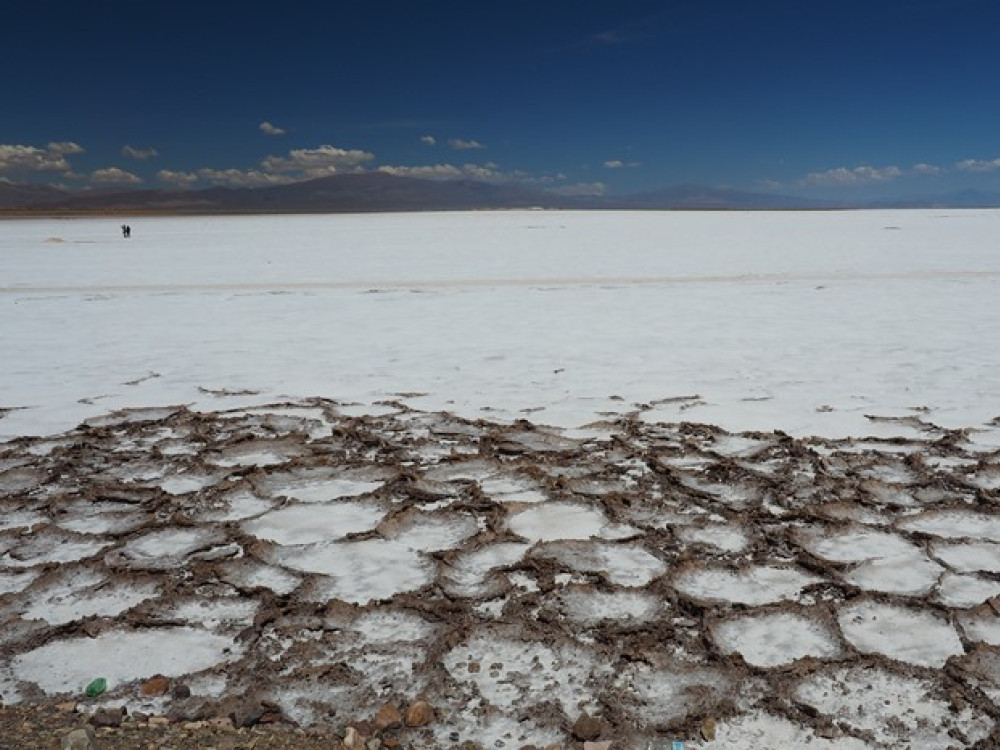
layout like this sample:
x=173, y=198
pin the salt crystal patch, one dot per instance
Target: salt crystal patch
x=660, y=695
x=874, y=628
x=52, y=547
x=21, y=519
x=392, y=627
x=590, y=607
x=11, y=583
x=431, y=533
x=955, y=524
x=558, y=520
x=981, y=626
x=84, y=594
x=314, y=522
x=237, y=505
x=623, y=565
x=909, y=574
x=970, y=557
x=360, y=572
x=246, y=574
x=856, y=545
x=775, y=639
x=889, y=700
x=67, y=666
x=964, y=591
x=181, y=484
x=532, y=672
x=759, y=729
x=755, y=586
x=468, y=572
x=162, y=549
x=722, y=537
x=214, y=614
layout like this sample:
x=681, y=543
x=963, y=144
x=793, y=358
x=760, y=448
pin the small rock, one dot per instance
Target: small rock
x=708, y=730
x=374, y=744
x=155, y=686
x=604, y=745
x=68, y=707
x=246, y=714
x=419, y=714
x=474, y=666
x=353, y=740
x=107, y=717
x=390, y=739
x=221, y=722
x=587, y=728
x=80, y=739
x=387, y=717
x=157, y=721
x=180, y=691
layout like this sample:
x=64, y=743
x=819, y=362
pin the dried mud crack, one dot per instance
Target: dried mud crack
x=291, y=574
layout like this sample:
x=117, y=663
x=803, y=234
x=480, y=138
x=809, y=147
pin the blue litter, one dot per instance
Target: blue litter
x=677, y=745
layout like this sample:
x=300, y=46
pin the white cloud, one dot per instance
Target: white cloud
x=317, y=162
x=114, y=176
x=428, y=140
x=51, y=158
x=268, y=129
x=841, y=176
x=139, y=154
x=460, y=144
x=180, y=179
x=978, y=165
x=242, y=177
x=926, y=169
x=619, y=164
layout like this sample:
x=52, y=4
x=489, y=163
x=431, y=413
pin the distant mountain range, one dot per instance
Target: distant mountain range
x=372, y=192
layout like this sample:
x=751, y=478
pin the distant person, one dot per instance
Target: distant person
x=124, y=230
x=128, y=231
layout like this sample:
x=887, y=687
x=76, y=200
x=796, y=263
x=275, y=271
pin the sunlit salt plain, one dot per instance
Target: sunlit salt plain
x=805, y=322
x=524, y=464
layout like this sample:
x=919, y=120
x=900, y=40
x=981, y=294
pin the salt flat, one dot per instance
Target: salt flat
x=659, y=468
x=804, y=322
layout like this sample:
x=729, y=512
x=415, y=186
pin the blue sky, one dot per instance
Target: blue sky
x=825, y=98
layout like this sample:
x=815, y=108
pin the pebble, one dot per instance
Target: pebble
x=353, y=740
x=419, y=714
x=154, y=686
x=587, y=728
x=107, y=717
x=80, y=739
x=604, y=745
x=387, y=717
x=708, y=730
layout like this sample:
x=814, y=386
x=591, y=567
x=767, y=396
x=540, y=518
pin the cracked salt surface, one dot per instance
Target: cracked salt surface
x=909, y=575
x=754, y=586
x=315, y=522
x=880, y=702
x=964, y=591
x=954, y=524
x=857, y=545
x=68, y=666
x=874, y=628
x=84, y=593
x=622, y=565
x=359, y=572
x=559, y=520
x=970, y=557
x=775, y=639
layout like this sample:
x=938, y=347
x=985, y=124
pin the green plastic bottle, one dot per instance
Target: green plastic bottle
x=96, y=687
